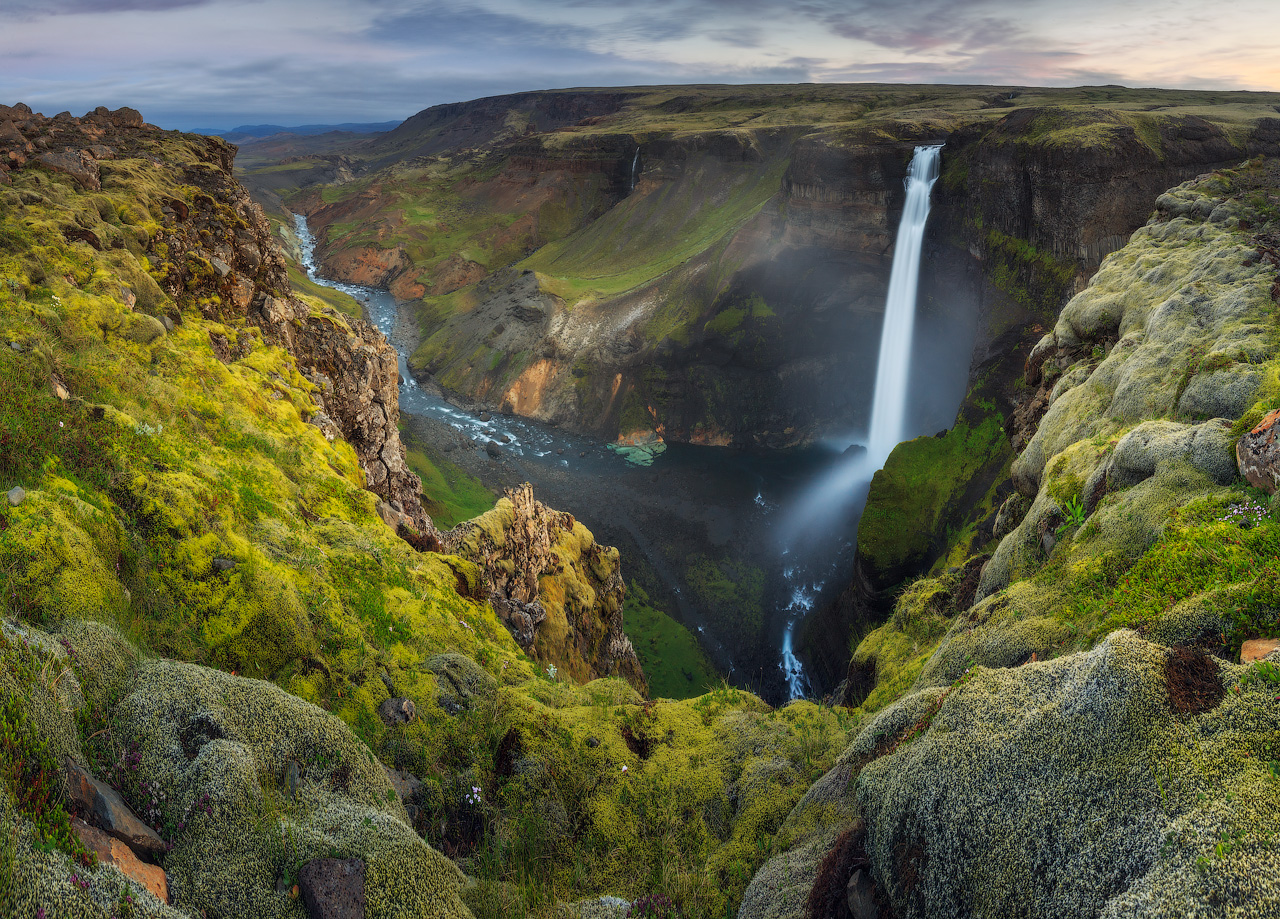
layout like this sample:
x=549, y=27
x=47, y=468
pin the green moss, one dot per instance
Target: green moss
x=730, y=590
x=674, y=665
x=450, y=495
x=1035, y=279
x=30, y=745
x=921, y=484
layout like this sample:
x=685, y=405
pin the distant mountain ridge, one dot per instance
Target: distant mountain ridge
x=267, y=130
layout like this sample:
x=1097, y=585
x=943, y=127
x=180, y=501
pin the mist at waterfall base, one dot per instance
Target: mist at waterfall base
x=710, y=502
x=826, y=513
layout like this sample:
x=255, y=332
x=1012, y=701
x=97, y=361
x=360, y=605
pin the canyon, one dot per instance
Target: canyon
x=709, y=267
x=229, y=614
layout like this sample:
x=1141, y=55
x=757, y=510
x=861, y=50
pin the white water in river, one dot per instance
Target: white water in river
x=831, y=499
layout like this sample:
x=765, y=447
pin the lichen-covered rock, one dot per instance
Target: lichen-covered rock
x=1158, y=324
x=207, y=738
x=1206, y=447
x=1042, y=753
x=460, y=682
x=558, y=591
x=1258, y=456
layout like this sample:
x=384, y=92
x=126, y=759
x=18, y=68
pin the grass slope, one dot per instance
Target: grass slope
x=674, y=664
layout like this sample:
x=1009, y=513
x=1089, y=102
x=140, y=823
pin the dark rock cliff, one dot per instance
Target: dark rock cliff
x=764, y=333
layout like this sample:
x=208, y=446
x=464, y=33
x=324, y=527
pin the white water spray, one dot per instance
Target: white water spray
x=830, y=499
x=635, y=166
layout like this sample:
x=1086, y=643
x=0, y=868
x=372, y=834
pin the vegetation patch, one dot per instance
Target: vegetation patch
x=674, y=663
x=450, y=494
x=1193, y=681
x=914, y=496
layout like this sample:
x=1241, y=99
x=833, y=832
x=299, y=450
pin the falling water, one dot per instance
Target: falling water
x=844, y=488
x=888, y=410
x=635, y=166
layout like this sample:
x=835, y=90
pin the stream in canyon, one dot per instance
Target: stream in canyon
x=720, y=539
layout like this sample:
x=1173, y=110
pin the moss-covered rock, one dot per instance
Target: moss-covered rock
x=1055, y=743
x=1162, y=316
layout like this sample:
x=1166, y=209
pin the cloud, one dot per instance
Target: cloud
x=227, y=62
x=36, y=9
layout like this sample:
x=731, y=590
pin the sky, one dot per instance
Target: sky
x=222, y=63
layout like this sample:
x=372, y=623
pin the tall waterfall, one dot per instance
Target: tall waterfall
x=635, y=169
x=888, y=410
x=828, y=503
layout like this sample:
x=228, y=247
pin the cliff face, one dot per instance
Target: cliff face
x=1096, y=624
x=215, y=254
x=722, y=280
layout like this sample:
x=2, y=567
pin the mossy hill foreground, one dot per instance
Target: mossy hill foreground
x=222, y=598
x=207, y=609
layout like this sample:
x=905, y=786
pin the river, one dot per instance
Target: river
x=701, y=529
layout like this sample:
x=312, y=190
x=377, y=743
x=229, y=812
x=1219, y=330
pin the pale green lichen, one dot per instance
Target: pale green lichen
x=1053, y=743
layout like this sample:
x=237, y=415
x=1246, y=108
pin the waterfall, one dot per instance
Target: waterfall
x=830, y=502
x=635, y=165
x=889, y=408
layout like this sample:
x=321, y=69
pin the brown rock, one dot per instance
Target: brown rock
x=397, y=711
x=454, y=273
x=333, y=888
x=80, y=234
x=1258, y=455
x=10, y=136
x=405, y=783
x=104, y=808
x=80, y=166
x=113, y=852
x=1257, y=649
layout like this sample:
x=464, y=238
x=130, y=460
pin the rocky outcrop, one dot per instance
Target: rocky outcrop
x=215, y=253
x=72, y=146
x=557, y=591
x=1258, y=455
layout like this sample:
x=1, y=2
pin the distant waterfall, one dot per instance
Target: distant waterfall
x=827, y=503
x=889, y=408
x=635, y=169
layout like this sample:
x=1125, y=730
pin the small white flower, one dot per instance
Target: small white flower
x=624, y=768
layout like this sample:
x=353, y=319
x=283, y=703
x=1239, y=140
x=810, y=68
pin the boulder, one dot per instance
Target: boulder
x=405, y=783
x=1257, y=649
x=397, y=711
x=861, y=895
x=80, y=166
x=1207, y=447
x=17, y=494
x=333, y=888
x=112, y=851
x=103, y=807
x=1258, y=456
